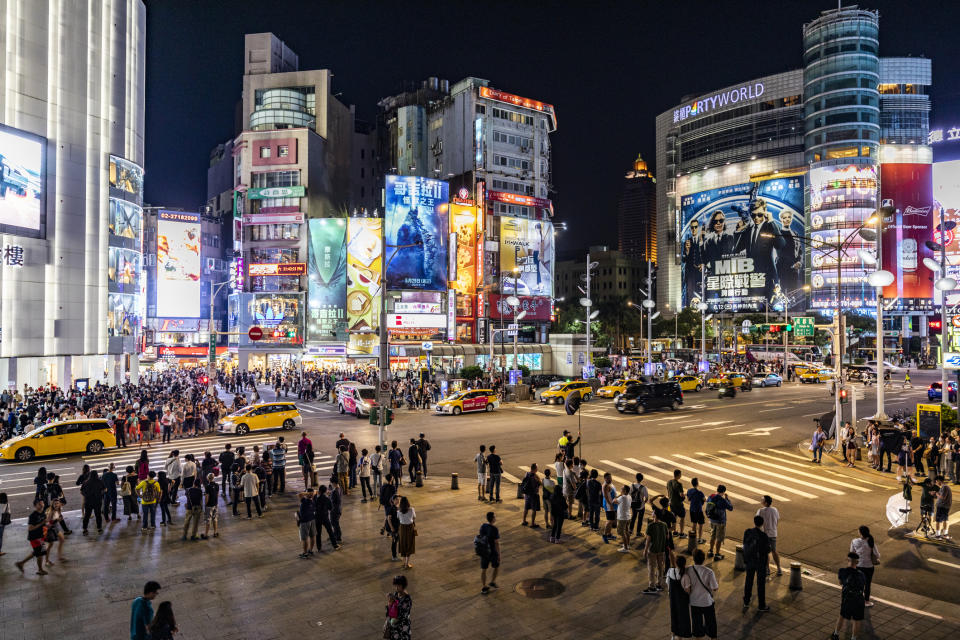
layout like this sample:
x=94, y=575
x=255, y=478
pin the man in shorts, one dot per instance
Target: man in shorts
x=481, y=461
x=718, y=520
x=852, y=600
x=307, y=521
x=210, y=510
x=492, y=557
x=609, y=493
x=675, y=494
x=531, y=496
x=944, y=502
x=771, y=520
x=35, y=523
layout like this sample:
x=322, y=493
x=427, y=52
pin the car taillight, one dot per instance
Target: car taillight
x=113, y=431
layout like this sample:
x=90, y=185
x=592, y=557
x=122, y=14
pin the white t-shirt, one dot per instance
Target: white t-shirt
x=481, y=463
x=771, y=518
x=406, y=518
x=699, y=596
x=862, y=548
x=623, y=507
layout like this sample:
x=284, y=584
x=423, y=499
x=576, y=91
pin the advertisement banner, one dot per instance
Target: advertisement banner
x=280, y=315
x=537, y=308
x=527, y=246
x=417, y=233
x=416, y=321
x=908, y=188
x=277, y=269
x=276, y=192
x=327, y=285
x=364, y=269
x=123, y=270
x=126, y=219
x=463, y=221
x=178, y=265
x=946, y=193
x=272, y=218
x=123, y=315
x=742, y=244
x=127, y=178
x=22, y=177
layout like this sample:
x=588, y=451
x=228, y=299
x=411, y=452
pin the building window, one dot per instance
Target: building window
x=362, y=173
x=482, y=109
x=264, y=152
x=283, y=151
x=513, y=163
x=362, y=151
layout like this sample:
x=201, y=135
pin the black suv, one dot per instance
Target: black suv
x=651, y=395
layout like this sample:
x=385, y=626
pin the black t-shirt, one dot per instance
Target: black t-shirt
x=37, y=517
x=213, y=490
x=492, y=533
x=853, y=583
x=307, y=510
x=194, y=496
x=493, y=463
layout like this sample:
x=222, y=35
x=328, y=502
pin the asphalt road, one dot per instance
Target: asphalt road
x=753, y=443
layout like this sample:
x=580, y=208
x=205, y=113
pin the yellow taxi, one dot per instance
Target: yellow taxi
x=70, y=436
x=804, y=367
x=688, y=383
x=735, y=378
x=558, y=392
x=714, y=379
x=468, y=400
x=265, y=415
x=816, y=375
x=615, y=388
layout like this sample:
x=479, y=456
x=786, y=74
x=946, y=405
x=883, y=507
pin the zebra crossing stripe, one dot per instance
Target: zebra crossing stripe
x=613, y=464
x=799, y=473
x=670, y=475
x=747, y=476
x=725, y=478
x=790, y=455
x=773, y=474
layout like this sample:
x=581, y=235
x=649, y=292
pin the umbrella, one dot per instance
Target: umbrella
x=898, y=510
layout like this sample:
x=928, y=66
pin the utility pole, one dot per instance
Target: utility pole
x=649, y=307
x=589, y=352
x=384, y=360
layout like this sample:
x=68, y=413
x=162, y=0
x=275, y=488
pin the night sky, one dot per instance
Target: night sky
x=608, y=70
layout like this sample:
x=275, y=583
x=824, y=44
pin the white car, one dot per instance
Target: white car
x=767, y=380
x=887, y=366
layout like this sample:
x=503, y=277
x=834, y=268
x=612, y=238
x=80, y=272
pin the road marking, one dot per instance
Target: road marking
x=723, y=478
x=18, y=464
x=759, y=431
x=772, y=474
x=775, y=409
x=669, y=474
x=33, y=473
x=613, y=464
x=729, y=426
x=790, y=455
x=510, y=477
x=753, y=455
x=31, y=493
x=946, y=564
x=818, y=413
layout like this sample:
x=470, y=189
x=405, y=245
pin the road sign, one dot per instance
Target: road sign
x=512, y=329
x=426, y=346
x=385, y=386
x=803, y=327
x=955, y=320
x=255, y=333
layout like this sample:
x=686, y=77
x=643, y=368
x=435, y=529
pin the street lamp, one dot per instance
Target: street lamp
x=787, y=303
x=639, y=309
x=702, y=307
x=212, y=346
x=943, y=284
x=514, y=303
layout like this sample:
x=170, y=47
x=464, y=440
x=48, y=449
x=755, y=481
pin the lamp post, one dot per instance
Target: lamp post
x=212, y=345
x=787, y=299
x=878, y=279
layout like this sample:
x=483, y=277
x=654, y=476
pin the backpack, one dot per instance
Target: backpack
x=581, y=493
x=527, y=487
x=636, y=495
x=149, y=492
x=481, y=545
x=751, y=547
x=853, y=587
x=710, y=508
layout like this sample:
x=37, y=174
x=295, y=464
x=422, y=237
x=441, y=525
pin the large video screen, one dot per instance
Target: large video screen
x=463, y=222
x=527, y=246
x=22, y=189
x=364, y=269
x=126, y=177
x=417, y=233
x=908, y=188
x=327, y=285
x=178, y=265
x=126, y=219
x=946, y=194
x=280, y=315
x=123, y=270
x=742, y=245
x=123, y=315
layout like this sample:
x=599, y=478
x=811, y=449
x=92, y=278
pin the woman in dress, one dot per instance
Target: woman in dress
x=408, y=531
x=679, y=601
x=401, y=629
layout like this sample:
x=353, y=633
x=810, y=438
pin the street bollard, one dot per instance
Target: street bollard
x=691, y=544
x=419, y=478
x=520, y=491
x=796, y=577
x=859, y=455
x=454, y=482
x=738, y=563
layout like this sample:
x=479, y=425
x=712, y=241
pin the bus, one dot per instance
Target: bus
x=800, y=352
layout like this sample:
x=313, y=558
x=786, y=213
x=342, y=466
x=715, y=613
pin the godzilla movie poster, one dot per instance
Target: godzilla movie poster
x=417, y=233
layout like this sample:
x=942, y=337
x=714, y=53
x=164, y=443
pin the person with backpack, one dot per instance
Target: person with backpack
x=638, y=504
x=756, y=552
x=716, y=509
x=853, y=585
x=149, y=492
x=530, y=488
x=695, y=499
x=594, y=499
x=395, y=456
x=487, y=546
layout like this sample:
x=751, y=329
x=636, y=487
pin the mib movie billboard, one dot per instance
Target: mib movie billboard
x=417, y=233
x=741, y=246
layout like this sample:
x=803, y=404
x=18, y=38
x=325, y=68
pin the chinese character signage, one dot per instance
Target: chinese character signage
x=276, y=192
x=327, y=286
x=417, y=233
x=742, y=244
x=12, y=255
x=364, y=265
x=526, y=257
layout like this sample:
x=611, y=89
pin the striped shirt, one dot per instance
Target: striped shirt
x=279, y=455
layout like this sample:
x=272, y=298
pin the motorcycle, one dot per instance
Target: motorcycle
x=727, y=391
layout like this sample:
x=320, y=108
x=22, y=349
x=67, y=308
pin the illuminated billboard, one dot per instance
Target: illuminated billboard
x=127, y=178
x=22, y=188
x=327, y=285
x=908, y=188
x=463, y=222
x=126, y=219
x=178, y=265
x=537, y=308
x=417, y=233
x=123, y=314
x=279, y=315
x=946, y=194
x=364, y=264
x=526, y=257
x=123, y=270
x=743, y=244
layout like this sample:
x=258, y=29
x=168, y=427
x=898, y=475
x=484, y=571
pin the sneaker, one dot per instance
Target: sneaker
x=834, y=636
x=552, y=539
x=524, y=524
x=682, y=535
x=868, y=603
x=717, y=557
x=303, y=556
x=534, y=526
x=84, y=532
x=659, y=587
x=584, y=524
x=364, y=501
x=779, y=572
x=650, y=591
x=493, y=585
x=763, y=609
x=99, y=530
x=606, y=540
x=623, y=550
x=702, y=541
x=485, y=590
x=745, y=607
x=204, y=536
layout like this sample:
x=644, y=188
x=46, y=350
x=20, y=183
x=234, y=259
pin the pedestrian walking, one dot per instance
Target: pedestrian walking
x=771, y=522
x=323, y=509
x=701, y=583
x=481, y=460
x=868, y=556
x=423, y=446
x=408, y=531
x=210, y=509
x=853, y=587
x=816, y=443
x=756, y=549
x=415, y=464
x=401, y=629
x=93, y=491
x=5, y=519
x=494, y=472
x=364, y=473
x=716, y=509
x=164, y=625
x=487, y=545
x=376, y=467
x=395, y=457
x=35, y=525
x=142, y=466
x=530, y=487
x=110, y=479
x=149, y=492
x=679, y=600
x=141, y=612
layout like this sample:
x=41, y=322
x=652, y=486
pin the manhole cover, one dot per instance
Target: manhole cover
x=539, y=588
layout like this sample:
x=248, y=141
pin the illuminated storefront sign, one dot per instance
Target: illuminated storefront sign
x=416, y=320
x=943, y=135
x=513, y=198
x=273, y=218
x=276, y=192
x=718, y=101
x=282, y=269
x=518, y=101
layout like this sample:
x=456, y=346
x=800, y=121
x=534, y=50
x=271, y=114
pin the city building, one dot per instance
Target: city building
x=617, y=276
x=637, y=213
x=760, y=180
x=71, y=148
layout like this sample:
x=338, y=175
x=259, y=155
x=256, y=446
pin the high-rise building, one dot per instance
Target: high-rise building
x=637, y=214
x=71, y=157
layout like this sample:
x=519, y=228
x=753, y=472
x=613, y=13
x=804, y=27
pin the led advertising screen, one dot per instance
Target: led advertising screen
x=908, y=188
x=536, y=308
x=527, y=246
x=123, y=270
x=178, y=265
x=123, y=315
x=463, y=222
x=946, y=195
x=280, y=315
x=22, y=189
x=743, y=244
x=364, y=268
x=126, y=219
x=327, y=285
x=127, y=178
x=416, y=217
x=841, y=199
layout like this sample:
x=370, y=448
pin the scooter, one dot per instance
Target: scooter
x=727, y=391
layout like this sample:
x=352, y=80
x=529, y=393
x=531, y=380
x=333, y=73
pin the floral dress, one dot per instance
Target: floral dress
x=401, y=630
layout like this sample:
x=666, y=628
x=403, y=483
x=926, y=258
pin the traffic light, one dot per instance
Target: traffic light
x=204, y=379
x=789, y=327
x=775, y=328
x=844, y=399
x=935, y=325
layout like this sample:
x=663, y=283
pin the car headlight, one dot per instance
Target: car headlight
x=631, y=402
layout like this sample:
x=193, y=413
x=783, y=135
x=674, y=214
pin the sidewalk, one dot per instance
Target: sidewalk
x=249, y=583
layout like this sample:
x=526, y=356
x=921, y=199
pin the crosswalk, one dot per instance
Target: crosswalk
x=748, y=474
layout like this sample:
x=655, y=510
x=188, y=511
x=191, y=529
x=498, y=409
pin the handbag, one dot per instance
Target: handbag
x=5, y=518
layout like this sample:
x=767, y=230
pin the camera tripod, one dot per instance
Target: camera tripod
x=924, y=526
